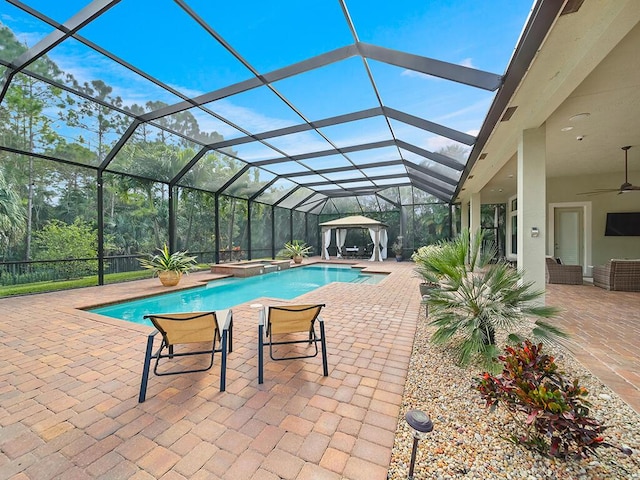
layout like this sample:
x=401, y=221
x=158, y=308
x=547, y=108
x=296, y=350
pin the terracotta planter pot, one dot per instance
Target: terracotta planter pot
x=297, y=259
x=169, y=278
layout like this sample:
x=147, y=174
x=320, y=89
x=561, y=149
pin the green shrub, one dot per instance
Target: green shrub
x=75, y=245
x=33, y=276
x=552, y=412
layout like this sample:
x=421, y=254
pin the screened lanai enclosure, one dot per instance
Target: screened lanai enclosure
x=228, y=130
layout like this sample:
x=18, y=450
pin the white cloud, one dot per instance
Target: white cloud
x=128, y=85
x=31, y=38
x=247, y=117
x=479, y=108
x=33, y=29
x=186, y=91
x=133, y=88
x=436, y=143
x=467, y=62
x=209, y=123
x=357, y=136
x=299, y=143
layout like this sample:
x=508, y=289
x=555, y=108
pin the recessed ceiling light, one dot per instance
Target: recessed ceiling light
x=579, y=116
x=511, y=175
x=566, y=129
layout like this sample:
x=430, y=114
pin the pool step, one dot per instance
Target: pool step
x=360, y=280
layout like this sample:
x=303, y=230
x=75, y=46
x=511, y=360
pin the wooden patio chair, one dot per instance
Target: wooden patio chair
x=290, y=320
x=206, y=328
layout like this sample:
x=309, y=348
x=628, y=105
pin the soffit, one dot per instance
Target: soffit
x=587, y=64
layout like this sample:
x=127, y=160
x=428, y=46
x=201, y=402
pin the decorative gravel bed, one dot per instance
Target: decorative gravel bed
x=467, y=439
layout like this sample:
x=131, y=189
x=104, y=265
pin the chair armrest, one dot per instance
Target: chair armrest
x=600, y=270
x=602, y=276
x=225, y=317
x=262, y=313
x=572, y=268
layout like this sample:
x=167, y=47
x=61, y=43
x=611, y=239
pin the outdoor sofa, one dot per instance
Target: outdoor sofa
x=621, y=275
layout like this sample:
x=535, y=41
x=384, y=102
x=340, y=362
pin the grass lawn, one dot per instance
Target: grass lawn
x=40, y=287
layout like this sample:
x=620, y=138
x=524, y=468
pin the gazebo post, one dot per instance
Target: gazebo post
x=325, y=245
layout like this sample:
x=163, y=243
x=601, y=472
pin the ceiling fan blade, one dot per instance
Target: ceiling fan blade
x=600, y=191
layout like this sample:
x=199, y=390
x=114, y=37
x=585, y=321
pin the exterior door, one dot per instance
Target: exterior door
x=568, y=241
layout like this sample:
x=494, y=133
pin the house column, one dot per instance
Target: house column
x=475, y=222
x=532, y=205
x=464, y=215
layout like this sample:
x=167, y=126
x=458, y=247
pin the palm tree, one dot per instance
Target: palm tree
x=478, y=299
x=12, y=214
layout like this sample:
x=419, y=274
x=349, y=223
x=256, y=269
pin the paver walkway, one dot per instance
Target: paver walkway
x=70, y=379
x=69, y=382
x=604, y=330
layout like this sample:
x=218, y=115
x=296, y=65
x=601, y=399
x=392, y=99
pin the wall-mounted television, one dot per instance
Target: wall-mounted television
x=625, y=224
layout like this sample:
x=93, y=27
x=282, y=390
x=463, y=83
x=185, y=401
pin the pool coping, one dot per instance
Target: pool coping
x=188, y=283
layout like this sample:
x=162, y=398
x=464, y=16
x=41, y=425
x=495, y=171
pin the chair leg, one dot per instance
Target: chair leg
x=145, y=369
x=325, y=366
x=260, y=353
x=223, y=362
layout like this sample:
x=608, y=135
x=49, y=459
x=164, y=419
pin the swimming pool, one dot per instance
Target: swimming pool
x=226, y=293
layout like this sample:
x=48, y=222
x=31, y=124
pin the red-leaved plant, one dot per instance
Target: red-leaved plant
x=552, y=412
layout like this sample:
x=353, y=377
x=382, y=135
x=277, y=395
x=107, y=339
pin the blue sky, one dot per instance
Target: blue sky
x=158, y=37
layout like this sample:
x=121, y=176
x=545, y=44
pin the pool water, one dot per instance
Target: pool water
x=226, y=293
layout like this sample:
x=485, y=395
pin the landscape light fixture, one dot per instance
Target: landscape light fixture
x=421, y=425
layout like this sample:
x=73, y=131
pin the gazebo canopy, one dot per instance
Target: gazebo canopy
x=354, y=221
x=377, y=230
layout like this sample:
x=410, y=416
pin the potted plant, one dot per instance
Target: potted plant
x=169, y=266
x=397, y=250
x=297, y=250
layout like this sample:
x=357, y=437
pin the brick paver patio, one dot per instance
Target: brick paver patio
x=69, y=384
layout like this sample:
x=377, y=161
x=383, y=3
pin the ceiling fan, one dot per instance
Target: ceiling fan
x=624, y=188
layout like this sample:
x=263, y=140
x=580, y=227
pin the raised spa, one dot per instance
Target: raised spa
x=250, y=268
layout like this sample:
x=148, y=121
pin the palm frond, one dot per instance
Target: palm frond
x=546, y=330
